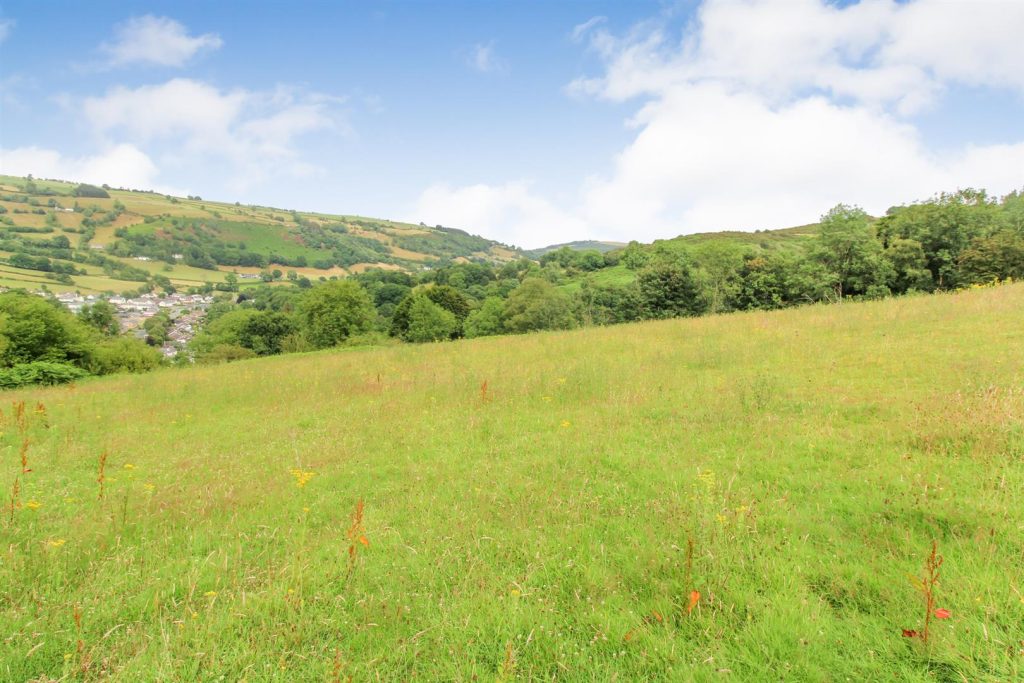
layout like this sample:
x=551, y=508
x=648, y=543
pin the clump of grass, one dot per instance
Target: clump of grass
x=41, y=415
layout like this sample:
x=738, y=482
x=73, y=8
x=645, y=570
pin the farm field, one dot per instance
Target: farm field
x=742, y=497
x=307, y=243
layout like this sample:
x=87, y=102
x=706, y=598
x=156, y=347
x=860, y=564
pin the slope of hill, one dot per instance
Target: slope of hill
x=579, y=245
x=739, y=496
x=134, y=235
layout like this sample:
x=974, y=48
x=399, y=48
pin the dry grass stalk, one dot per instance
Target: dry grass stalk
x=356, y=537
x=102, y=473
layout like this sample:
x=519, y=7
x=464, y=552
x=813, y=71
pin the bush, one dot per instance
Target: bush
x=335, y=311
x=85, y=190
x=225, y=353
x=39, y=372
x=124, y=354
x=429, y=322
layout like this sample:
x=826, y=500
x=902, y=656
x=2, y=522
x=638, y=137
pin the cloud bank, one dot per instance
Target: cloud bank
x=765, y=113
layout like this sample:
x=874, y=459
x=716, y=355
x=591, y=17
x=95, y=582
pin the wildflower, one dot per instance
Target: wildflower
x=694, y=599
x=566, y=423
x=56, y=542
x=302, y=477
x=514, y=593
x=149, y=486
x=33, y=505
x=720, y=518
x=210, y=594
x=129, y=466
x=305, y=509
x=942, y=613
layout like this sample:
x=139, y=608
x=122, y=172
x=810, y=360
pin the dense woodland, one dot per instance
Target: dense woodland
x=949, y=242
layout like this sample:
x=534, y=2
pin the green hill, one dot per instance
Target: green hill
x=114, y=238
x=580, y=245
x=743, y=497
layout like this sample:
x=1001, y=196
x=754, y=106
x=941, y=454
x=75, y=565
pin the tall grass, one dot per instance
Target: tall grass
x=737, y=497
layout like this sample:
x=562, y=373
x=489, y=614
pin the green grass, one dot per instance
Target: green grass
x=539, y=530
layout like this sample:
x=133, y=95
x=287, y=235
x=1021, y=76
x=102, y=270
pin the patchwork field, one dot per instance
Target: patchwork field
x=744, y=497
x=131, y=223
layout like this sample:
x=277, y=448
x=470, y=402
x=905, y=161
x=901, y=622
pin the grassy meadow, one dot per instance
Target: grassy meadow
x=744, y=497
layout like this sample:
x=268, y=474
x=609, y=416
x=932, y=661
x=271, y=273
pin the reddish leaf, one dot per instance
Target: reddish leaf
x=907, y=633
x=694, y=599
x=942, y=613
x=364, y=541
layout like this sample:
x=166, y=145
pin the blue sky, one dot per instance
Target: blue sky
x=528, y=122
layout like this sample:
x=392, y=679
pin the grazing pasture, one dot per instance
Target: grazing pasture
x=744, y=497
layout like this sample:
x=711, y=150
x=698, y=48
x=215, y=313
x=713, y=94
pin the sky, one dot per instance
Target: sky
x=529, y=122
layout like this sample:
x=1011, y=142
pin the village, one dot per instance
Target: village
x=185, y=312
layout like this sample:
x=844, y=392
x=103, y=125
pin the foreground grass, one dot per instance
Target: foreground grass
x=793, y=468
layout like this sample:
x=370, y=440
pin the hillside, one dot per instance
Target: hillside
x=579, y=245
x=128, y=236
x=734, y=497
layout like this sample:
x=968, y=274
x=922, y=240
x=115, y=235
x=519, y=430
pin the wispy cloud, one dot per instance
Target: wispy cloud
x=485, y=59
x=5, y=29
x=579, y=31
x=160, y=41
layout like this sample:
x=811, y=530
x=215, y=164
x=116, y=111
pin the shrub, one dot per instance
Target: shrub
x=124, y=354
x=86, y=190
x=429, y=322
x=39, y=372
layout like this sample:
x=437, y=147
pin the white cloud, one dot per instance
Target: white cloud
x=579, y=31
x=509, y=212
x=765, y=113
x=120, y=166
x=485, y=59
x=253, y=132
x=155, y=40
x=5, y=29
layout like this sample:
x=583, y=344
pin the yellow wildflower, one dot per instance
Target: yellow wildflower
x=149, y=486
x=56, y=542
x=566, y=423
x=302, y=477
x=210, y=594
x=33, y=505
x=129, y=466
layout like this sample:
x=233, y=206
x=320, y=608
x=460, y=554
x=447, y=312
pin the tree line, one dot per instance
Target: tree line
x=950, y=241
